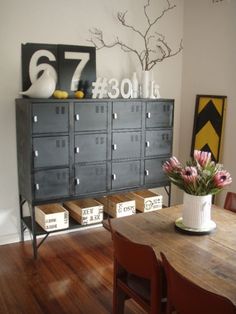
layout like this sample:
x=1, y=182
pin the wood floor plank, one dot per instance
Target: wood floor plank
x=72, y=275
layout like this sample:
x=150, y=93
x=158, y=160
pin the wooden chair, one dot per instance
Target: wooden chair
x=230, y=201
x=138, y=274
x=185, y=297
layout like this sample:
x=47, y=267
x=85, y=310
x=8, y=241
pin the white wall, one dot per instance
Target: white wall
x=67, y=22
x=209, y=67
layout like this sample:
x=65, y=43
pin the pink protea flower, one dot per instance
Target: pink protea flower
x=203, y=158
x=189, y=174
x=171, y=165
x=222, y=178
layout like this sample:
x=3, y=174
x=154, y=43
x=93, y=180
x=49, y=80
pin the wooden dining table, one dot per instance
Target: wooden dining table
x=208, y=260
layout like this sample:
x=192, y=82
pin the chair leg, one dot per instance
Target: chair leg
x=119, y=298
x=170, y=309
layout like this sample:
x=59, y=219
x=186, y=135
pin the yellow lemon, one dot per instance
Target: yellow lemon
x=79, y=94
x=57, y=94
x=64, y=94
x=60, y=94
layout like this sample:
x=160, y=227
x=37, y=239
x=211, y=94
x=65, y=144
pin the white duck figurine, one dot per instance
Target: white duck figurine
x=43, y=87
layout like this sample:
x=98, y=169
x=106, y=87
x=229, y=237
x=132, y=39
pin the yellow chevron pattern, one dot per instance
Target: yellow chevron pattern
x=207, y=135
x=216, y=101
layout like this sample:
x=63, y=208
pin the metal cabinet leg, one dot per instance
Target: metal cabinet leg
x=168, y=192
x=22, y=225
x=34, y=244
x=34, y=237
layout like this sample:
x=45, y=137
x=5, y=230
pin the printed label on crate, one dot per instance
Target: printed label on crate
x=91, y=219
x=125, y=208
x=153, y=203
x=51, y=227
x=95, y=210
x=50, y=220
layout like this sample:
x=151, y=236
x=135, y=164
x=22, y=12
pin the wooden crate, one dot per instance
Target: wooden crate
x=146, y=200
x=118, y=205
x=52, y=216
x=85, y=211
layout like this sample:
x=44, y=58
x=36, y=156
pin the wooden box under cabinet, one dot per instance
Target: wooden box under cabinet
x=118, y=205
x=146, y=200
x=52, y=217
x=85, y=211
x=71, y=149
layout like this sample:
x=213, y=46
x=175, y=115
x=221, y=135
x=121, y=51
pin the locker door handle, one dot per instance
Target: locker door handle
x=148, y=115
x=147, y=144
x=37, y=186
x=114, y=115
x=76, y=117
x=77, y=150
x=35, y=119
x=36, y=153
x=77, y=181
x=114, y=146
x=113, y=176
x=146, y=172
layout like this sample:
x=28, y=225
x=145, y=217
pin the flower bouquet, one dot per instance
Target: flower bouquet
x=200, y=176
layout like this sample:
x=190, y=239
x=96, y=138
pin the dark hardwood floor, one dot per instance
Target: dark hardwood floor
x=73, y=274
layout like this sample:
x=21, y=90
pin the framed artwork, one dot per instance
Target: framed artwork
x=74, y=67
x=208, y=124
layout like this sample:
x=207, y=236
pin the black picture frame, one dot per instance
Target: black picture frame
x=209, y=124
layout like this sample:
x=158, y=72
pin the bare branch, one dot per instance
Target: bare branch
x=165, y=55
x=169, y=7
x=145, y=12
x=155, y=47
x=121, y=18
x=99, y=43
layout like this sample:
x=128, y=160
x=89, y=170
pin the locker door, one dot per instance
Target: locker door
x=153, y=173
x=51, y=184
x=90, y=178
x=126, y=115
x=125, y=174
x=90, y=116
x=50, y=117
x=159, y=114
x=90, y=147
x=158, y=142
x=126, y=145
x=50, y=151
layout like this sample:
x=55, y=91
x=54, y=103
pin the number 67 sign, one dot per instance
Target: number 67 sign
x=74, y=67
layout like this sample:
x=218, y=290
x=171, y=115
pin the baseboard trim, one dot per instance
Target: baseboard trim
x=15, y=237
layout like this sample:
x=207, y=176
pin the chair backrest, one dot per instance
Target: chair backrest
x=186, y=297
x=137, y=259
x=230, y=201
